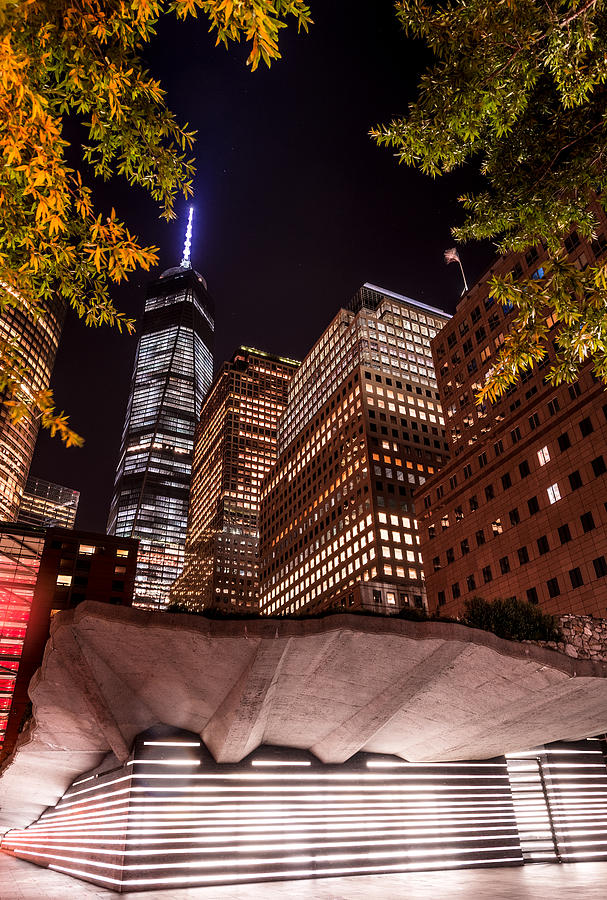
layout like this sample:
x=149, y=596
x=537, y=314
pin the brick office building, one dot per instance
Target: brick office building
x=362, y=429
x=520, y=510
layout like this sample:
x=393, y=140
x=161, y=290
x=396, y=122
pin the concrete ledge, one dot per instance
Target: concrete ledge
x=426, y=691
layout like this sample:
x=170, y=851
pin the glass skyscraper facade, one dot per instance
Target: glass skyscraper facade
x=235, y=448
x=173, y=372
x=38, y=341
x=47, y=504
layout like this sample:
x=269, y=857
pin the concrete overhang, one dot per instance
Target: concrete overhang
x=424, y=691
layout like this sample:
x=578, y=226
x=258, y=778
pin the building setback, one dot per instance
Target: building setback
x=235, y=448
x=520, y=510
x=42, y=571
x=173, y=372
x=362, y=429
x=47, y=504
x=37, y=342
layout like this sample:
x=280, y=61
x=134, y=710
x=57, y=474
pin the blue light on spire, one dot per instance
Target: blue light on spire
x=186, y=262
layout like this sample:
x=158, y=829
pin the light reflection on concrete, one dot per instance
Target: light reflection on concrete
x=20, y=880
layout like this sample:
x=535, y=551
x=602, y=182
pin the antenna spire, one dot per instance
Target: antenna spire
x=186, y=262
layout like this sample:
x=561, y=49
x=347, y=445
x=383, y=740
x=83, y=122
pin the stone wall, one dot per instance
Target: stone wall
x=584, y=637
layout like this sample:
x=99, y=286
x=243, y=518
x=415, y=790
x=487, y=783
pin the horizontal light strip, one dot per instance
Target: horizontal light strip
x=297, y=873
x=331, y=857
x=171, y=744
x=164, y=762
x=273, y=762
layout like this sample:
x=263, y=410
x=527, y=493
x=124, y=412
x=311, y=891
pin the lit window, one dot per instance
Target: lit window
x=543, y=456
x=121, y=552
x=64, y=580
x=553, y=493
x=86, y=549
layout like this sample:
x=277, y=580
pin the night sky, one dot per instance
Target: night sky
x=295, y=207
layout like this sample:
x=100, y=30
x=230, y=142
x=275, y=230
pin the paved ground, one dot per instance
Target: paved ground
x=21, y=880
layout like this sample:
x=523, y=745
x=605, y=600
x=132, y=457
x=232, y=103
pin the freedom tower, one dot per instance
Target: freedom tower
x=172, y=374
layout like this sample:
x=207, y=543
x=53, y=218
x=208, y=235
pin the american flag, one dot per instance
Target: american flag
x=452, y=255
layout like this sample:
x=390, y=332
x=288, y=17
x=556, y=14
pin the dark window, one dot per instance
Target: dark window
x=467, y=346
x=431, y=532
x=453, y=482
x=436, y=563
x=482, y=460
x=587, y=521
x=473, y=503
x=598, y=466
x=564, y=442
x=553, y=587
x=475, y=314
x=572, y=241
x=81, y=580
x=523, y=468
x=467, y=471
x=586, y=427
x=504, y=565
x=531, y=256
x=471, y=582
x=117, y=585
x=465, y=546
x=441, y=598
x=564, y=534
x=575, y=576
x=523, y=556
x=455, y=590
x=515, y=435
x=487, y=574
x=480, y=537
x=450, y=555
x=542, y=544
x=534, y=421
x=498, y=448
x=532, y=595
x=480, y=334
x=377, y=596
x=574, y=391
x=553, y=406
x=575, y=480
x=533, y=505
x=514, y=516
x=600, y=566
x=506, y=481
x=489, y=494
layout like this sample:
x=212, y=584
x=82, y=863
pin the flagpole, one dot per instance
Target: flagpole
x=463, y=275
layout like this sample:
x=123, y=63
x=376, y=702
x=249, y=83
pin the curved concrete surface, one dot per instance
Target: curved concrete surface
x=423, y=691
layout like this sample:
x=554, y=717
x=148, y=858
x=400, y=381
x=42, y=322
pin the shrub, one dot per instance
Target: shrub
x=513, y=619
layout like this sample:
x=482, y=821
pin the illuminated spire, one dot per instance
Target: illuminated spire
x=186, y=262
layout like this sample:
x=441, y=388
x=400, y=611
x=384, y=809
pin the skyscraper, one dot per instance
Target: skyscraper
x=362, y=430
x=38, y=341
x=47, y=504
x=173, y=372
x=520, y=510
x=235, y=448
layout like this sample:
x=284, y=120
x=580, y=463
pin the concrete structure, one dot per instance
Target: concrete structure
x=172, y=374
x=43, y=571
x=37, y=342
x=521, y=508
x=48, y=505
x=424, y=692
x=235, y=447
x=361, y=431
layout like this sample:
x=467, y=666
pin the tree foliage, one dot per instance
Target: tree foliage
x=518, y=87
x=82, y=60
x=513, y=619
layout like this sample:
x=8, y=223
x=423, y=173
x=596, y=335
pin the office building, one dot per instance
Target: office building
x=37, y=341
x=47, y=504
x=363, y=428
x=43, y=571
x=520, y=510
x=236, y=446
x=173, y=372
